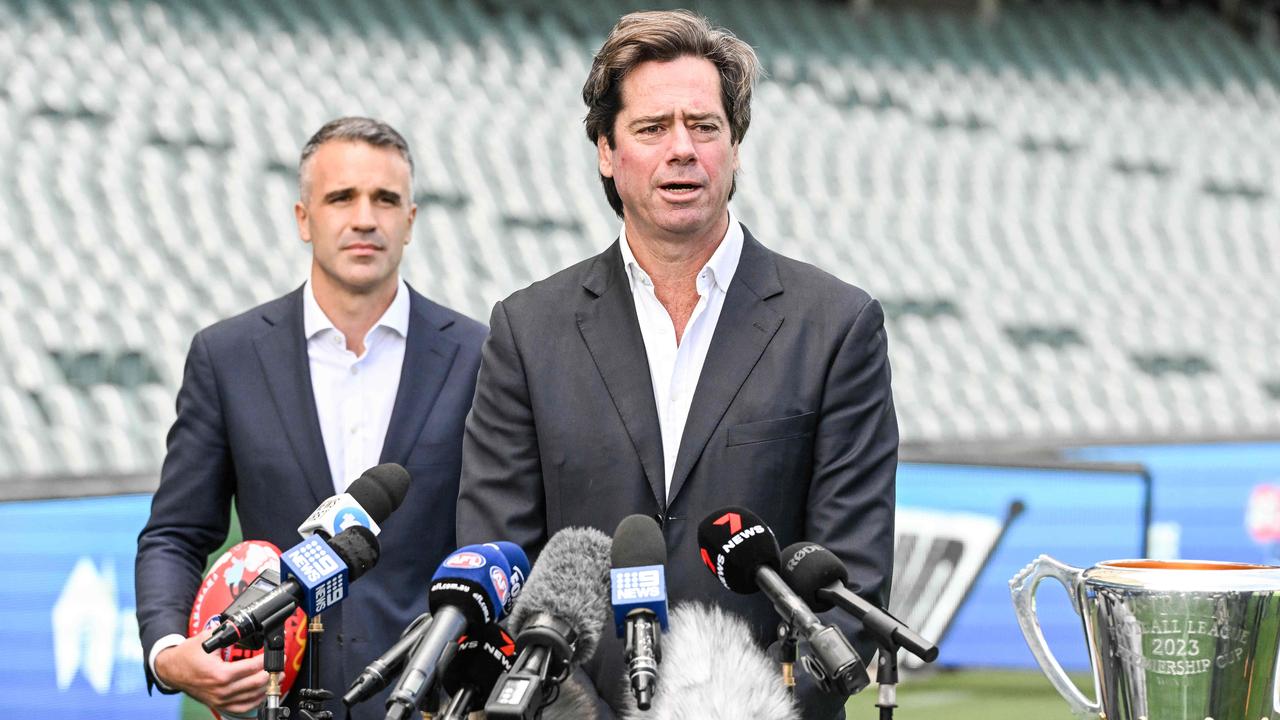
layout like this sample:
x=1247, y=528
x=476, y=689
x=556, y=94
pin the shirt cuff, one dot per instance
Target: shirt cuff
x=163, y=643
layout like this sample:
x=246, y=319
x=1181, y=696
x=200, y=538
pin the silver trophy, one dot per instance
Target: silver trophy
x=1168, y=640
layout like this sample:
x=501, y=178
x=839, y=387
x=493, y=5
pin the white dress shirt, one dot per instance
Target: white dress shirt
x=674, y=368
x=353, y=395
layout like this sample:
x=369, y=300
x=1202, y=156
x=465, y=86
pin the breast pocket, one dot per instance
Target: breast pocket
x=762, y=431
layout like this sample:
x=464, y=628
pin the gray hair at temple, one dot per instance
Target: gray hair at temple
x=351, y=129
x=662, y=36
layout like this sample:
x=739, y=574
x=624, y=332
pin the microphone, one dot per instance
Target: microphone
x=557, y=623
x=820, y=579
x=714, y=670
x=741, y=550
x=482, y=657
x=314, y=575
x=638, y=586
x=469, y=589
x=379, y=673
x=369, y=499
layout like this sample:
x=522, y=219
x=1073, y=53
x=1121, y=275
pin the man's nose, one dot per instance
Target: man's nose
x=363, y=219
x=682, y=149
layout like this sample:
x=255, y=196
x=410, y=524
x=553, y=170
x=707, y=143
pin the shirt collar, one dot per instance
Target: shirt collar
x=719, y=269
x=396, y=316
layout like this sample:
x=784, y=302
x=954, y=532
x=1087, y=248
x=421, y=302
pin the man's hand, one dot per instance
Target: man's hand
x=238, y=686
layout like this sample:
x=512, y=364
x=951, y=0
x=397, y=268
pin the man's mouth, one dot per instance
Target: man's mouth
x=678, y=188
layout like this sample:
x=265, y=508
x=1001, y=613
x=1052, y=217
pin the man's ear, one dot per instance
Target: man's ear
x=604, y=156
x=300, y=214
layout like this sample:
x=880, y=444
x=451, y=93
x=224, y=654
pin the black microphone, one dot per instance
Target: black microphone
x=379, y=673
x=741, y=550
x=482, y=657
x=714, y=670
x=820, y=579
x=315, y=576
x=557, y=623
x=638, y=588
x=470, y=589
x=369, y=500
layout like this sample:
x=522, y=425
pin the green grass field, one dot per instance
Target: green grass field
x=972, y=695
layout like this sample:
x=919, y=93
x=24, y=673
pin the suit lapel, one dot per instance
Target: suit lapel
x=612, y=333
x=428, y=355
x=745, y=327
x=282, y=351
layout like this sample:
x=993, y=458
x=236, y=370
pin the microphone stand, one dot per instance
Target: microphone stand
x=311, y=699
x=887, y=679
x=787, y=652
x=273, y=662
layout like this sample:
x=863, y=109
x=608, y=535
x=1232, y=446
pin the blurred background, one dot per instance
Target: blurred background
x=1069, y=210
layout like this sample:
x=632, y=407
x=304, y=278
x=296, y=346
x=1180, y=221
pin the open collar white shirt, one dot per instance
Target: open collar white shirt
x=674, y=368
x=354, y=395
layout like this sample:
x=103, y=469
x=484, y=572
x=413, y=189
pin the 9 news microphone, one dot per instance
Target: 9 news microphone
x=557, y=622
x=470, y=589
x=482, y=657
x=369, y=499
x=819, y=578
x=741, y=550
x=714, y=670
x=313, y=574
x=638, y=586
x=379, y=673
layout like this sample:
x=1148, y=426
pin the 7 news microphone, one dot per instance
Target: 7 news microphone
x=482, y=657
x=382, y=671
x=741, y=550
x=638, y=587
x=557, y=623
x=820, y=579
x=470, y=589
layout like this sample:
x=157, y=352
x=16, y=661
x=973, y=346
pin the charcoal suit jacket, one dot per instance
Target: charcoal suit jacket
x=792, y=418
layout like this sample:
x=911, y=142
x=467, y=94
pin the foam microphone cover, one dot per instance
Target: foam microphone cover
x=380, y=490
x=638, y=542
x=808, y=567
x=570, y=581
x=358, y=548
x=481, y=659
x=712, y=669
x=734, y=543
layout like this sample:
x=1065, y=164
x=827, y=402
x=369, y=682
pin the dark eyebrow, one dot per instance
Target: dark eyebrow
x=340, y=194
x=390, y=195
x=649, y=120
x=702, y=116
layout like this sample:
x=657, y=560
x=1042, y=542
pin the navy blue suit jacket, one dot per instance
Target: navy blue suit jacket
x=247, y=430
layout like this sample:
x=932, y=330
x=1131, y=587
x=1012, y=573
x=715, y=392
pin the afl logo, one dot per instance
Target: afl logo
x=500, y=586
x=465, y=561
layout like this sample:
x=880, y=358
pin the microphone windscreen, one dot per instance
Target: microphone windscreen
x=358, y=548
x=638, y=542
x=712, y=669
x=808, y=567
x=734, y=543
x=380, y=490
x=570, y=581
x=482, y=657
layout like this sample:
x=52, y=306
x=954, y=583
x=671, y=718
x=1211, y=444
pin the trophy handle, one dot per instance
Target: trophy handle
x=1023, y=588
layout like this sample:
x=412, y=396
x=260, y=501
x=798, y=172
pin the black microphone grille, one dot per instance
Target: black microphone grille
x=484, y=653
x=734, y=543
x=637, y=542
x=358, y=548
x=808, y=567
x=380, y=490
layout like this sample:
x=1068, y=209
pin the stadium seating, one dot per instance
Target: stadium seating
x=1070, y=213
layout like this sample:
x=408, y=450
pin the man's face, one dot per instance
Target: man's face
x=672, y=160
x=357, y=215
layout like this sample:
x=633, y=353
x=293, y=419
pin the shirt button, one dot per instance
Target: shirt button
x=354, y=370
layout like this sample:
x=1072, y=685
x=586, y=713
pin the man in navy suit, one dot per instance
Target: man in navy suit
x=286, y=404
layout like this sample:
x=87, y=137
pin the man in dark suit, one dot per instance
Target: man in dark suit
x=687, y=367
x=286, y=404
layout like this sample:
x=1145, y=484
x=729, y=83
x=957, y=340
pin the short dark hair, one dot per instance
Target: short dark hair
x=351, y=129
x=663, y=36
